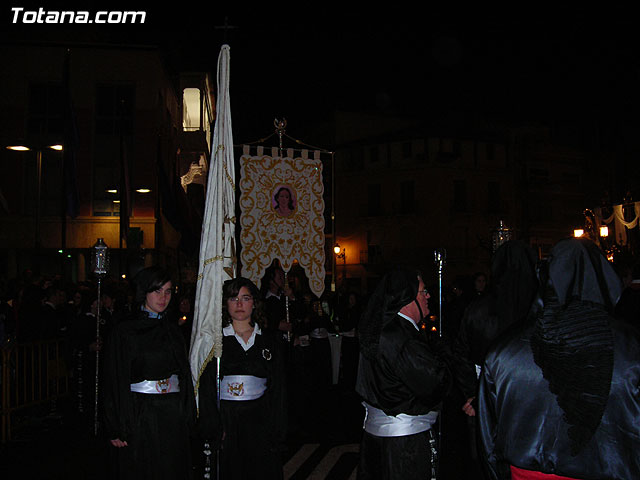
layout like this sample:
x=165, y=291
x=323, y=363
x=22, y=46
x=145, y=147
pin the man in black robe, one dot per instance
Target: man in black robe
x=402, y=378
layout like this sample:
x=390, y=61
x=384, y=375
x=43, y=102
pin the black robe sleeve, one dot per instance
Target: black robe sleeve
x=117, y=398
x=488, y=422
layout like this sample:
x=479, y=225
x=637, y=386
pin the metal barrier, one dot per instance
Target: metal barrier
x=32, y=374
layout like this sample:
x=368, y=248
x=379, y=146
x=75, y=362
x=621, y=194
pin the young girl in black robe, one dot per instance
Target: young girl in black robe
x=251, y=421
x=149, y=401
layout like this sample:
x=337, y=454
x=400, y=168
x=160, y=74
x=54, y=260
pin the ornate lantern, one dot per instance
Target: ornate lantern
x=500, y=235
x=100, y=258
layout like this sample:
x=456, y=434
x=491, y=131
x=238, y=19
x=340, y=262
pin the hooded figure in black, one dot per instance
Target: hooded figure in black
x=514, y=288
x=402, y=378
x=560, y=395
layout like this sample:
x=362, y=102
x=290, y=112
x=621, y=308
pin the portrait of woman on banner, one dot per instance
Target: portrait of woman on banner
x=284, y=201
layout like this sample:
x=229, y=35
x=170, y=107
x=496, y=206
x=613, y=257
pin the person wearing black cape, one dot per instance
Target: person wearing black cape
x=559, y=395
x=514, y=287
x=402, y=379
x=149, y=400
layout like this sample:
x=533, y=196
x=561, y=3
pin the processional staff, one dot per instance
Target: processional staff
x=440, y=257
x=99, y=266
x=281, y=126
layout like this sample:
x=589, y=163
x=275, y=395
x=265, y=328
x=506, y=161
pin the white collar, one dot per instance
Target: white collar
x=271, y=294
x=410, y=319
x=228, y=331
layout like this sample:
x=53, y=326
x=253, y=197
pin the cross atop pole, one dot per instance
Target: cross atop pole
x=226, y=27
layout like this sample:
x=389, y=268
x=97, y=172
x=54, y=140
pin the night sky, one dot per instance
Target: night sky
x=524, y=63
x=559, y=65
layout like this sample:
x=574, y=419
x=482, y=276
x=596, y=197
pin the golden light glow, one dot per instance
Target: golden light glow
x=112, y=190
x=24, y=148
x=604, y=231
x=578, y=232
x=143, y=190
x=337, y=249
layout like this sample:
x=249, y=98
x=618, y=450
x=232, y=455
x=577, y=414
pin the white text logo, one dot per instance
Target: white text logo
x=44, y=16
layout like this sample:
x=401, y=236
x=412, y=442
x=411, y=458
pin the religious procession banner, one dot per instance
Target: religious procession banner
x=217, y=242
x=282, y=214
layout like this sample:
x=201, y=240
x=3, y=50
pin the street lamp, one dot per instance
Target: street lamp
x=25, y=148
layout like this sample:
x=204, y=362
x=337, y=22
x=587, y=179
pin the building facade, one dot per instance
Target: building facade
x=128, y=131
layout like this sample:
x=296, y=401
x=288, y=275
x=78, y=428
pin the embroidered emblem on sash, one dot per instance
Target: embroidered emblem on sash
x=266, y=354
x=163, y=386
x=235, y=389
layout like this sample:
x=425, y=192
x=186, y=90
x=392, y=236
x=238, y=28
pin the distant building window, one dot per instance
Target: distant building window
x=493, y=197
x=374, y=154
x=109, y=179
x=570, y=179
x=191, y=109
x=456, y=148
x=538, y=175
x=541, y=213
x=374, y=200
x=115, y=105
x=490, y=151
x=407, y=197
x=353, y=160
x=459, y=196
x=407, y=150
x=45, y=110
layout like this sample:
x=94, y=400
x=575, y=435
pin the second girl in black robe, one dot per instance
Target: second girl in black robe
x=251, y=422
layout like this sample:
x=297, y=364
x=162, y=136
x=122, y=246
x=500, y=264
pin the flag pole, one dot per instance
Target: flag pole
x=217, y=262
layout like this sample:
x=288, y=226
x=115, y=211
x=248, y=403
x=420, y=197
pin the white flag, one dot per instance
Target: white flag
x=217, y=248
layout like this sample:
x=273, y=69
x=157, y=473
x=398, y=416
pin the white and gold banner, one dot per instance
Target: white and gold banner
x=217, y=242
x=282, y=214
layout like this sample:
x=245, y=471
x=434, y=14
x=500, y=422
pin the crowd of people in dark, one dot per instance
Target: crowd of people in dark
x=286, y=350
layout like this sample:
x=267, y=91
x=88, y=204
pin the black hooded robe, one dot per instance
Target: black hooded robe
x=561, y=394
x=401, y=372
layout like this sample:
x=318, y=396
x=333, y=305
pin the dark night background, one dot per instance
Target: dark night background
x=556, y=64
x=571, y=68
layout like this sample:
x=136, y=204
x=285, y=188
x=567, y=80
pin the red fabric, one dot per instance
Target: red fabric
x=520, y=474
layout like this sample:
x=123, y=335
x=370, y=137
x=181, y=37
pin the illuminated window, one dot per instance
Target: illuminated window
x=191, y=109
